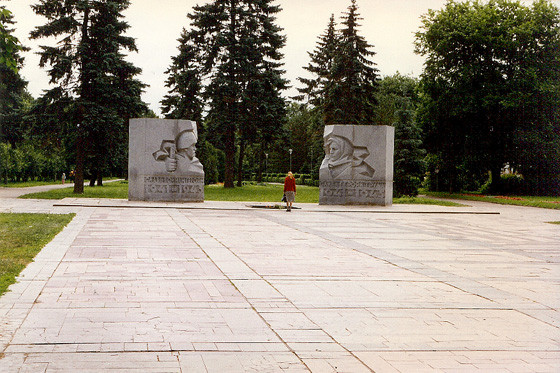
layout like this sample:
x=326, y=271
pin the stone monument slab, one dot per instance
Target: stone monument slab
x=162, y=163
x=358, y=165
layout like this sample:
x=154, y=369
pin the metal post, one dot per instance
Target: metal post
x=265, y=162
x=290, y=159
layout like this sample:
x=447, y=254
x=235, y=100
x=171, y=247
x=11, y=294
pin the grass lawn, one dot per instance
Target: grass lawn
x=21, y=184
x=247, y=193
x=115, y=189
x=532, y=201
x=22, y=236
x=29, y=184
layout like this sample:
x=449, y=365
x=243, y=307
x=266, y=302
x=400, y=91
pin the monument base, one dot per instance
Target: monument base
x=164, y=188
x=356, y=192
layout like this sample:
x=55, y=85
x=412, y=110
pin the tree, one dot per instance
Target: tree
x=409, y=155
x=95, y=83
x=351, y=93
x=239, y=54
x=13, y=94
x=394, y=93
x=320, y=66
x=184, y=100
x=9, y=44
x=491, y=87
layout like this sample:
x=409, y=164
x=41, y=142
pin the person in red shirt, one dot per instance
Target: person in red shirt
x=290, y=190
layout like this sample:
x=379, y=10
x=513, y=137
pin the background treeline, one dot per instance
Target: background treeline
x=488, y=99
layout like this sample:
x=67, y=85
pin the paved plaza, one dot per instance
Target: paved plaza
x=224, y=287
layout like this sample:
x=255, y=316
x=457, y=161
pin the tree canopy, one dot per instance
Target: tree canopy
x=230, y=62
x=491, y=88
x=344, y=79
x=9, y=44
x=93, y=81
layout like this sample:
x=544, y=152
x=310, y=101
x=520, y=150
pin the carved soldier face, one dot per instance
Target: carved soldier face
x=186, y=144
x=190, y=151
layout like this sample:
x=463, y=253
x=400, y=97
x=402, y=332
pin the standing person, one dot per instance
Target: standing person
x=63, y=177
x=290, y=190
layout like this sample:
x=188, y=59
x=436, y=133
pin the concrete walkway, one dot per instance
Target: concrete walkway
x=222, y=287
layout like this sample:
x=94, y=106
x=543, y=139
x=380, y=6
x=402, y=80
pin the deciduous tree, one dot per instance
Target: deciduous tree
x=491, y=87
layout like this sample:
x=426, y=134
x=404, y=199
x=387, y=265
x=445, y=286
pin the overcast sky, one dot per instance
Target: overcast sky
x=389, y=25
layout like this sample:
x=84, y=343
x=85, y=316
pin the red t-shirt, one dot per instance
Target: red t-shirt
x=289, y=184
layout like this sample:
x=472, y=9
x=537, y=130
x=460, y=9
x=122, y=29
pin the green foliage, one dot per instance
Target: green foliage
x=321, y=61
x=304, y=130
x=344, y=79
x=490, y=90
x=28, y=162
x=213, y=161
x=22, y=236
x=13, y=95
x=9, y=44
x=229, y=61
x=409, y=155
x=96, y=91
x=394, y=93
x=184, y=100
x=351, y=92
x=511, y=184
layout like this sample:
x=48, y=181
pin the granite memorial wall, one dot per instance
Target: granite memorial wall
x=358, y=165
x=162, y=163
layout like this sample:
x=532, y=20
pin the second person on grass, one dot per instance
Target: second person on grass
x=290, y=190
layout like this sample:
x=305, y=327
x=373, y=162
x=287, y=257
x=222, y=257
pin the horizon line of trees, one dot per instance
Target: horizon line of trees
x=489, y=95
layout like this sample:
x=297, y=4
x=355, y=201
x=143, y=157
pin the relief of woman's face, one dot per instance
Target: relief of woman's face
x=337, y=149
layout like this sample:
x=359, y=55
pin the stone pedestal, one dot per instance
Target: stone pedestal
x=162, y=165
x=358, y=165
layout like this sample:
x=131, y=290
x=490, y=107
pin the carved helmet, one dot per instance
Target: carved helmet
x=185, y=140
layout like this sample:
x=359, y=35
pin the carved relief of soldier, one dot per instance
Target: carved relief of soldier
x=180, y=153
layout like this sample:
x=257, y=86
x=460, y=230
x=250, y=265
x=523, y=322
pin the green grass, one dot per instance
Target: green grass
x=259, y=193
x=246, y=193
x=425, y=201
x=532, y=201
x=22, y=184
x=116, y=189
x=26, y=184
x=22, y=236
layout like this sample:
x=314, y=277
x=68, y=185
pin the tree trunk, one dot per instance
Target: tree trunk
x=496, y=185
x=240, y=164
x=80, y=152
x=99, y=178
x=79, y=173
x=260, y=171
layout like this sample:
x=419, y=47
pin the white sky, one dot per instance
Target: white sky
x=156, y=25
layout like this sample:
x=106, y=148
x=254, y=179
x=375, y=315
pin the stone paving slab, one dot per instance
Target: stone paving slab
x=234, y=289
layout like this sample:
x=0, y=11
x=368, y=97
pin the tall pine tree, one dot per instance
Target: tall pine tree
x=239, y=53
x=344, y=79
x=320, y=66
x=354, y=77
x=184, y=100
x=9, y=44
x=90, y=72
